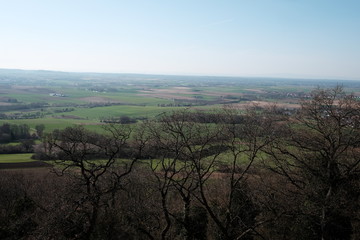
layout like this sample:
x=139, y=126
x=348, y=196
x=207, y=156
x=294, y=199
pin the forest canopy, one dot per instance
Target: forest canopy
x=257, y=173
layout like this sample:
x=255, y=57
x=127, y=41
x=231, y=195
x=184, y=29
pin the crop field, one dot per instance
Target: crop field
x=59, y=99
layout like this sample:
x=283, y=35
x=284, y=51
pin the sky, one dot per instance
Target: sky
x=267, y=38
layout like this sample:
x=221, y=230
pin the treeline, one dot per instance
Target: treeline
x=247, y=175
x=14, y=132
x=23, y=146
x=121, y=119
x=33, y=115
x=22, y=115
x=19, y=133
x=17, y=107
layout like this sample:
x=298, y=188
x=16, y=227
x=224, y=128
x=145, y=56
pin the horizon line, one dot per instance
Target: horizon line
x=267, y=76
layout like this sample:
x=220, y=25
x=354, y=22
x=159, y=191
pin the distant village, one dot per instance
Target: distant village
x=57, y=95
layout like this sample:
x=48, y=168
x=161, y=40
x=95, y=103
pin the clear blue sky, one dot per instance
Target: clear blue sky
x=287, y=38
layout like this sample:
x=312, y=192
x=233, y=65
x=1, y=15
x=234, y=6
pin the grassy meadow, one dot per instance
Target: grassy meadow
x=59, y=100
x=16, y=158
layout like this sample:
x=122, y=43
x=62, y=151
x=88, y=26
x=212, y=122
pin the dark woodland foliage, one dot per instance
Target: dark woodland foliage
x=229, y=174
x=14, y=132
x=18, y=133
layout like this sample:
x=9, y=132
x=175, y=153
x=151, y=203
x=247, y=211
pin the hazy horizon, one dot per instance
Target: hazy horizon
x=280, y=38
x=279, y=77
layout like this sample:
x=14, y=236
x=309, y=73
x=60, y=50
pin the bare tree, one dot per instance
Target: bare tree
x=185, y=157
x=247, y=133
x=318, y=154
x=90, y=160
x=187, y=154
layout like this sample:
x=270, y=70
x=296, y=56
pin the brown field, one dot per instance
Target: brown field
x=170, y=93
x=219, y=94
x=5, y=104
x=266, y=104
x=174, y=92
x=166, y=96
x=255, y=90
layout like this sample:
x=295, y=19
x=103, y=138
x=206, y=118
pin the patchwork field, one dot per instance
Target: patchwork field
x=59, y=99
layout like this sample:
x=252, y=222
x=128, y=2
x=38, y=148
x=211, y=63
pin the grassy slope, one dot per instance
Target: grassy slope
x=16, y=158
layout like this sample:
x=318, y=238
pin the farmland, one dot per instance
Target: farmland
x=60, y=99
x=214, y=151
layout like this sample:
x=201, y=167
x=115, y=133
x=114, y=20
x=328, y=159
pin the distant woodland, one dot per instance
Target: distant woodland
x=259, y=172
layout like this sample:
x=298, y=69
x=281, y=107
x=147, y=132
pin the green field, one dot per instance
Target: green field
x=26, y=97
x=16, y=158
